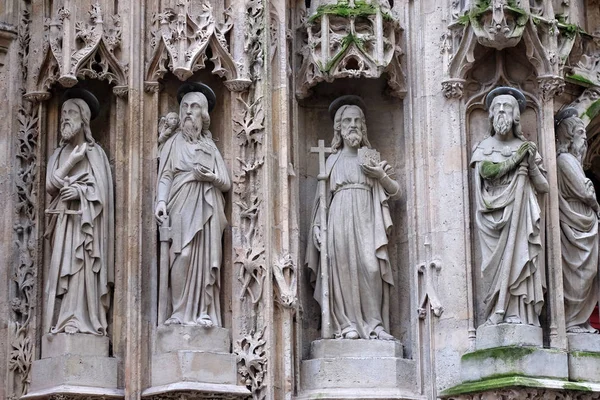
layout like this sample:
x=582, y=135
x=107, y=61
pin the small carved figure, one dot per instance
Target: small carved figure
x=166, y=128
x=191, y=180
x=355, y=295
x=508, y=176
x=81, y=223
x=578, y=223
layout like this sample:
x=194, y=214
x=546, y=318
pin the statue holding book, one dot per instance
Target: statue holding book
x=347, y=249
x=190, y=211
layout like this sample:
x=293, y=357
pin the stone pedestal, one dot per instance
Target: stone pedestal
x=584, y=357
x=196, y=357
x=77, y=363
x=357, y=368
x=508, y=335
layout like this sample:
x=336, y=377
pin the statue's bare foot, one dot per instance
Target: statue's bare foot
x=351, y=335
x=71, y=329
x=206, y=321
x=583, y=328
x=383, y=335
x=513, y=319
x=172, y=321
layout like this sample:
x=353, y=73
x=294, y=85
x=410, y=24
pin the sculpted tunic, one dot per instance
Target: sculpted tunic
x=508, y=222
x=82, y=233
x=359, y=269
x=196, y=212
x=579, y=241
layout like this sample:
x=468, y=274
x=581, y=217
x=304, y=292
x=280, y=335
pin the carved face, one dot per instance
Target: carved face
x=70, y=120
x=193, y=105
x=172, y=120
x=503, y=108
x=579, y=143
x=352, y=126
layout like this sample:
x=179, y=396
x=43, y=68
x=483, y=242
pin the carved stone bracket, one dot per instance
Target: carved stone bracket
x=453, y=88
x=252, y=362
x=585, y=61
x=180, y=40
x=285, y=275
x=75, y=49
x=351, y=40
x=428, y=297
x=152, y=87
x=523, y=392
x=550, y=86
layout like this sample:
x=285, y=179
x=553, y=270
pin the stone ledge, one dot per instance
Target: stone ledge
x=196, y=390
x=347, y=394
x=75, y=392
x=334, y=348
x=508, y=335
x=511, y=382
x=584, y=366
x=194, y=366
x=192, y=337
x=514, y=361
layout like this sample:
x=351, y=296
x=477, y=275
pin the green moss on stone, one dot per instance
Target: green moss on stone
x=586, y=353
x=343, y=9
x=591, y=112
x=576, y=386
x=510, y=353
x=491, y=384
x=569, y=30
x=580, y=78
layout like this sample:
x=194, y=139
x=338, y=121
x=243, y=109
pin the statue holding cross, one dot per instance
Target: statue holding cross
x=347, y=250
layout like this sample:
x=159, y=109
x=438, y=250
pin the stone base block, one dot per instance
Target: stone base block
x=507, y=335
x=584, y=357
x=58, y=344
x=338, y=365
x=352, y=394
x=196, y=338
x=194, y=366
x=196, y=390
x=355, y=348
x=74, y=370
x=514, y=361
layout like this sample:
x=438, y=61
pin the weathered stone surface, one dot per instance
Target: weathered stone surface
x=355, y=348
x=584, y=366
x=518, y=361
x=508, y=335
x=56, y=345
x=74, y=370
x=189, y=337
x=193, y=366
x=584, y=342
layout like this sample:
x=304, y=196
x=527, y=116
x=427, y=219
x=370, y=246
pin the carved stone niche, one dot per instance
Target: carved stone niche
x=350, y=39
x=358, y=368
x=191, y=361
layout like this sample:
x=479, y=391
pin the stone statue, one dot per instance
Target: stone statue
x=166, y=128
x=81, y=223
x=358, y=222
x=191, y=180
x=578, y=223
x=508, y=177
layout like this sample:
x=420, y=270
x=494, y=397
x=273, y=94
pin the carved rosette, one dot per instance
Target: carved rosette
x=351, y=40
x=77, y=50
x=453, y=89
x=550, y=87
x=180, y=40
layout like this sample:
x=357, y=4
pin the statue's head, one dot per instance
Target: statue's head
x=571, y=137
x=505, y=115
x=349, y=127
x=193, y=115
x=172, y=120
x=75, y=118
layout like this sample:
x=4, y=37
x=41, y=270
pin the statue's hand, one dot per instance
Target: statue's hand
x=204, y=175
x=375, y=171
x=317, y=237
x=77, y=154
x=68, y=193
x=161, y=212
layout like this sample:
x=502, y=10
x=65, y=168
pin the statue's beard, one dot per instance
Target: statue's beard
x=68, y=131
x=191, y=130
x=353, y=137
x=502, y=123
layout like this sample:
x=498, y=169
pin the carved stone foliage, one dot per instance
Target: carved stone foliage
x=253, y=37
x=180, y=39
x=428, y=297
x=498, y=24
x=81, y=49
x=24, y=273
x=252, y=362
x=585, y=60
x=250, y=257
x=351, y=40
x=285, y=274
x=527, y=393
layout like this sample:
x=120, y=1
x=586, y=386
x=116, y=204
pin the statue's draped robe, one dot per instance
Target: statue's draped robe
x=82, y=240
x=510, y=238
x=579, y=241
x=359, y=268
x=196, y=211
